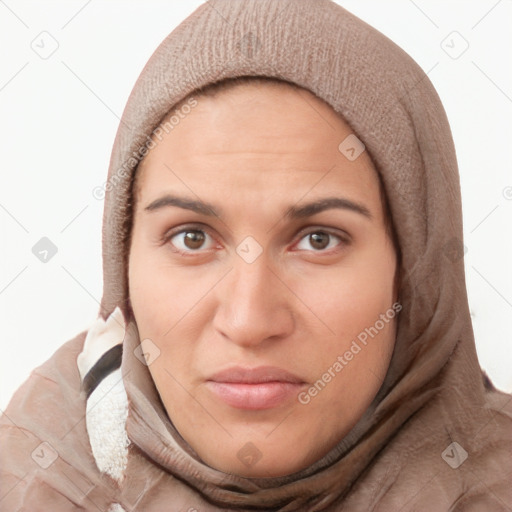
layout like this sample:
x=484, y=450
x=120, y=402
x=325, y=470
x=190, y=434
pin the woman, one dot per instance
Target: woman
x=284, y=323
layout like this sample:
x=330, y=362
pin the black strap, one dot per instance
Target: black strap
x=106, y=364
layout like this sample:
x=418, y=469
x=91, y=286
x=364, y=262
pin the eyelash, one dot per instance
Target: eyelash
x=344, y=239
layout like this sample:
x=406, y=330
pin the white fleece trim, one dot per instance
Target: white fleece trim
x=107, y=406
x=107, y=411
x=101, y=337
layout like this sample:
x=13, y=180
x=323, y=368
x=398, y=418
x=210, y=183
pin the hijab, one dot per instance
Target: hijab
x=438, y=434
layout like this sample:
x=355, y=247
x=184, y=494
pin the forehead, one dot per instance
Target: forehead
x=259, y=136
x=256, y=115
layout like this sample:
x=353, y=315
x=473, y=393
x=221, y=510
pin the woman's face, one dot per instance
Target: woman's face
x=261, y=271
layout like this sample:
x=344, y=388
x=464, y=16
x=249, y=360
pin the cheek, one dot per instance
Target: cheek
x=159, y=301
x=349, y=297
x=167, y=303
x=154, y=299
x=354, y=303
x=352, y=364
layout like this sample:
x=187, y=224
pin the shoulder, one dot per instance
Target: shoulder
x=471, y=465
x=45, y=448
x=455, y=456
x=52, y=388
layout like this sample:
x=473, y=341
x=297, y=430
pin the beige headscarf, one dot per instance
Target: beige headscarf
x=400, y=453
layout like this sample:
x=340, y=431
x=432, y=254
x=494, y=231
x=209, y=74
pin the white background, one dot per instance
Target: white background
x=59, y=116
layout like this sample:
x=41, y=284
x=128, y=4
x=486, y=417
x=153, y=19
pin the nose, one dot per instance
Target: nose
x=254, y=305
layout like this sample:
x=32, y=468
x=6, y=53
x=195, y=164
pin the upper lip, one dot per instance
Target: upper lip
x=258, y=375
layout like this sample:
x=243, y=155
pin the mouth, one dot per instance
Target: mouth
x=258, y=388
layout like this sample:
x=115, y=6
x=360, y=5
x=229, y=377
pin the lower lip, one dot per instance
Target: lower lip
x=264, y=395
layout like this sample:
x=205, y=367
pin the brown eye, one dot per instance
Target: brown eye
x=319, y=241
x=189, y=240
x=193, y=239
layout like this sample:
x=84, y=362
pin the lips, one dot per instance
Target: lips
x=264, y=387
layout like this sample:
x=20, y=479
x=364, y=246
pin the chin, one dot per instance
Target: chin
x=269, y=468
x=257, y=458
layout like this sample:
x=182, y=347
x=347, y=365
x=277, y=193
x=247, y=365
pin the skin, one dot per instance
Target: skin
x=254, y=151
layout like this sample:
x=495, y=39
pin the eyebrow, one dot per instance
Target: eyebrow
x=293, y=212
